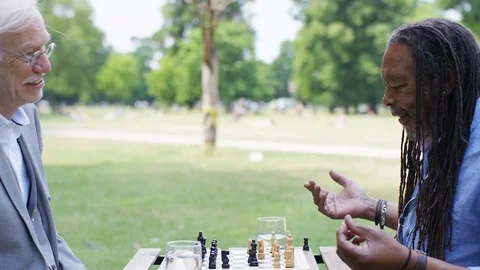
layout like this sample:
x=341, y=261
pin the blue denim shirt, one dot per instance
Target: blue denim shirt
x=466, y=207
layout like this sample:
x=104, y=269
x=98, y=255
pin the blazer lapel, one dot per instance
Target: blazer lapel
x=32, y=160
x=10, y=183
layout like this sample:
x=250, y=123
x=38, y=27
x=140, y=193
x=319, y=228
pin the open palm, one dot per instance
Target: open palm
x=350, y=201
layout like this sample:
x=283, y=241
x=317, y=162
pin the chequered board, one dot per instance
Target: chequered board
x=238, y=259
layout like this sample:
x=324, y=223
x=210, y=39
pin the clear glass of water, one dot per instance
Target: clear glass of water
x=183, y=255
x=267, y=225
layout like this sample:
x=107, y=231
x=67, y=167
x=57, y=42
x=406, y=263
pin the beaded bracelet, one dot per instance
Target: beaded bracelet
x=383, y=214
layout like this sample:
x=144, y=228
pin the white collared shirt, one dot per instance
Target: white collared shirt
x=10, y=131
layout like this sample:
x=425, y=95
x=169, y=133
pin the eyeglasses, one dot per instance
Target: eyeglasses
x=33, y=57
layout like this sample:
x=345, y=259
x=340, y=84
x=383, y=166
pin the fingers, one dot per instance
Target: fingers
x=310, y=184
x=355, y=239
x=358, y=240
x=322, y=196
x=361, y=231
x=345, y=248
x=339, y=178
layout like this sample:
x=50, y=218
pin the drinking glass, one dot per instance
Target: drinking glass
x=267, y=225
x=183, y=255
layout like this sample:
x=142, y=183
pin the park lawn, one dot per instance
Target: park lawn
x=111, y=198
x=320, y=128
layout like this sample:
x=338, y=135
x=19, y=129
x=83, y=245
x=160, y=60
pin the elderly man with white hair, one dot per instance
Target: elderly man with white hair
x=28, y=237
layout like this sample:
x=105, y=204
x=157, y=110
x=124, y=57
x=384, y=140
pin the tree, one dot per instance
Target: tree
x=181, y=72
x=163, y=82
x=118, y=77
x=265, y=88
x=79, y=54
x=339, y=49
x=208, y=13
x=181, y=17
x=470, y=10
x=282, y=69
x=144, y=53
x=236, y=53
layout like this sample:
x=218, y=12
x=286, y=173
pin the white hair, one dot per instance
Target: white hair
x=16, y=14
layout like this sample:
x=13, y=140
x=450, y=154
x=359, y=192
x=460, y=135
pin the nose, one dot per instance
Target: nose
x=388, y=98
x=42, y=65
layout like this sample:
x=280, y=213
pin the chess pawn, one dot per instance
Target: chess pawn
x=273, y=248
x=288, y=253
x=289, y=240
x=249, y=246
x=261, y=249
x=305, y=244
x=289, y=263
x=273, y=238
x=253, y=255
x=261, y=255
x=273, y=244
x=261, y=245
x=276, y=260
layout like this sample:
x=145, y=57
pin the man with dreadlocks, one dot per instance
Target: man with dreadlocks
x=431, y=72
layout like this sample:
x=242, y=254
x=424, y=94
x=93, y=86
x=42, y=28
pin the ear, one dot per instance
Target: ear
x=452, y=79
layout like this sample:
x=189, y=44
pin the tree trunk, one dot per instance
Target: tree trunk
x=331, y=109
x=209, y=77
x=373, y=107
x=209, y=100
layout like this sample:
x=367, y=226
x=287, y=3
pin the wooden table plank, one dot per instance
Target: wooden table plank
x=143, y=259
x=331, y=259
x=310, y=259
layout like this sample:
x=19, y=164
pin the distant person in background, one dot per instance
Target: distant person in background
x=28, y=237
x=431, y=72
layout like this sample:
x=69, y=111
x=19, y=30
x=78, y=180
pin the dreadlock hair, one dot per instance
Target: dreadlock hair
x=446, y=58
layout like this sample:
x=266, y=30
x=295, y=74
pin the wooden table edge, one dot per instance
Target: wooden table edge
x=143, y=259
x=310, y=258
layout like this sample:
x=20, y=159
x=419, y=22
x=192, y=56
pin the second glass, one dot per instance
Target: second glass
x=183, y=255
x=267, y=225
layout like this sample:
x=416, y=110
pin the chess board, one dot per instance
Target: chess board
x=238, y=259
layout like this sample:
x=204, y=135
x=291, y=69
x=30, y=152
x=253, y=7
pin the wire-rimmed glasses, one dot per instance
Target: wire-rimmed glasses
x=33, y=57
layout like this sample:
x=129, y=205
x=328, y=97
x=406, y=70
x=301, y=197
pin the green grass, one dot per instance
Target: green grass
x=320, y=128
x=111, y=198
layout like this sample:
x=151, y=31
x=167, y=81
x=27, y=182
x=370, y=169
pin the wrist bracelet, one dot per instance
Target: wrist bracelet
x=383, y=214
x=421, y=261
x=408, y=259
x=377, y=211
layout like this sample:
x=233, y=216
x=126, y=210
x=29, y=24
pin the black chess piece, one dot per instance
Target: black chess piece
x=225, y=259
x=200, y=237
x=305, y=244
x=253, y=261
x=213, y=252
x=212, y=265
x=250, y=252
x=202, y=240
x=204, y=249
x=214, y=245
x=212, y=259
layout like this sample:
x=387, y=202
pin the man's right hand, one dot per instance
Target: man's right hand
x=352, y=200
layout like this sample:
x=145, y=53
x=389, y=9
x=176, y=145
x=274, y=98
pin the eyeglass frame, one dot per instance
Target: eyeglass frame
x=32, y=60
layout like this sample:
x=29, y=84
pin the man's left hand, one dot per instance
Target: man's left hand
x=362, y=247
